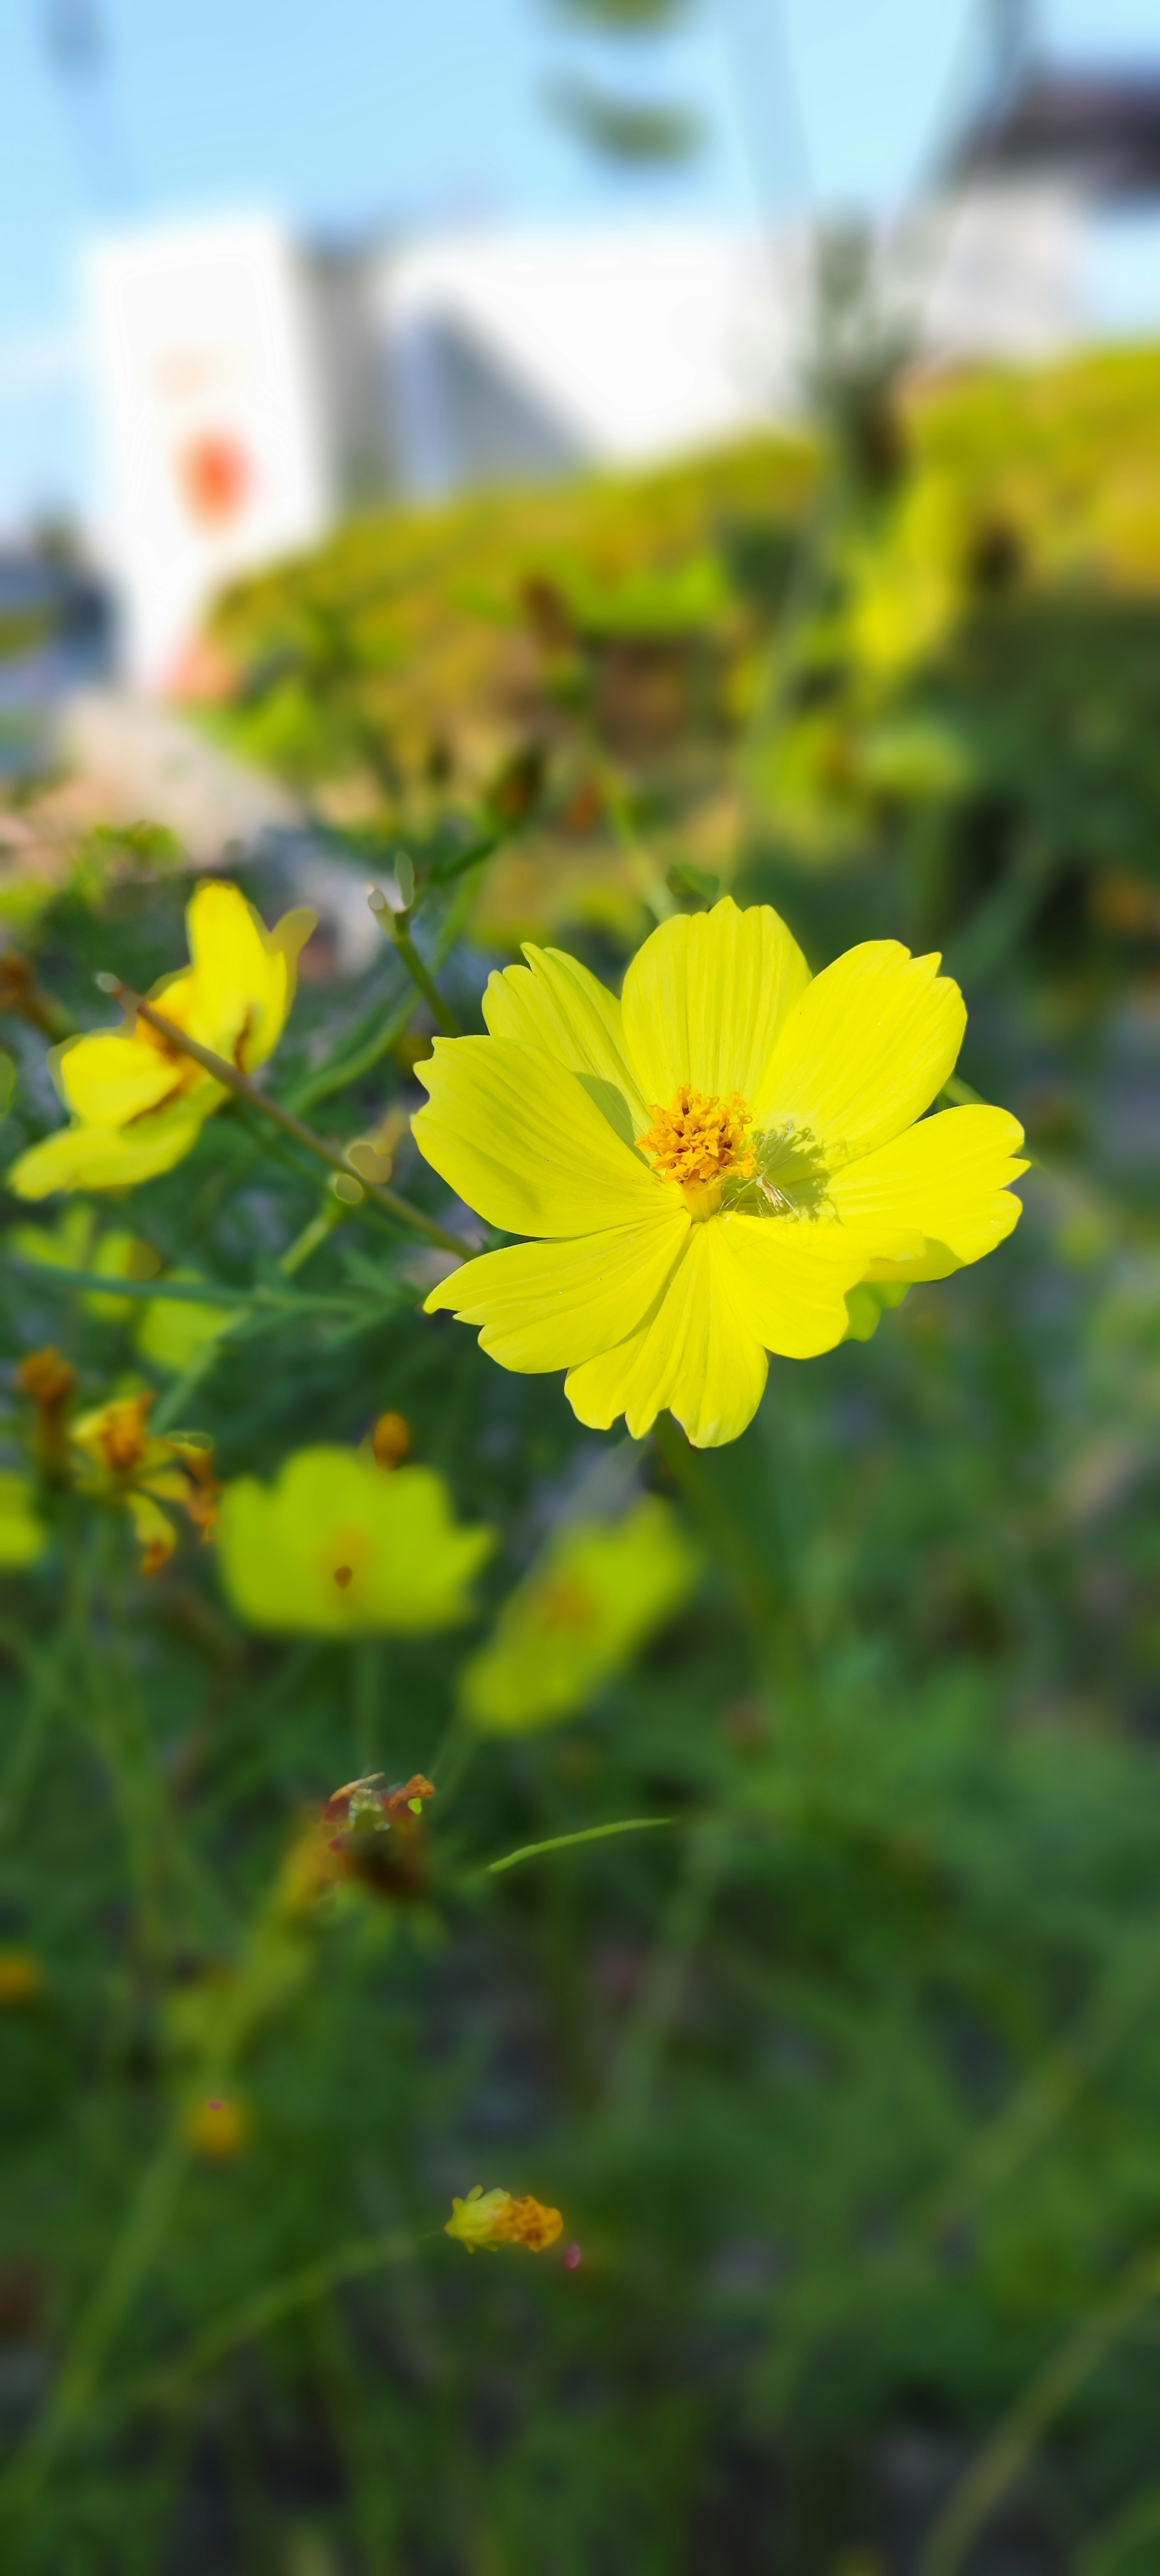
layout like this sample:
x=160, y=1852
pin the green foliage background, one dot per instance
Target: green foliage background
x=848, y=2082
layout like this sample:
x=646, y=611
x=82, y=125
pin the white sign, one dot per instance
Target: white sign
x=207, y=395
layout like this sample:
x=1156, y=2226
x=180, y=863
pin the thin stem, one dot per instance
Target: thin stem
x=396, y=926
x=339, y=1074
x=638, y=2057
x=232, y=1079
x=1002, y=2459
x=267, y=2307
x=313, y=1236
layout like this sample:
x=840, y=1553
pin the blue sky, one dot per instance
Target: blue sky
x=412, y=110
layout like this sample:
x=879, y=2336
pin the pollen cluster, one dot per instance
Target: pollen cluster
x=700, y=1138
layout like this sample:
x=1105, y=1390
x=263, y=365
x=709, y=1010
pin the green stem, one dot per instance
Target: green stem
x=1003, y=2458
x=331, y=1213
x=395, y=926
x=341, y=1073
x=637, y=2061
x=267, y=2307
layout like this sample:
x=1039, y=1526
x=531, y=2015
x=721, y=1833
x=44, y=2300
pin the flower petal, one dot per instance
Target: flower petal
x=788, y=1280
x=552, y=1305
x=555, y=1004
x=111, y=1158
x=110, y=1078
x=338, y=1548
x=244, y=976
x=521, y=1140
x=706, y=997
x=947, y=1178
x=869, y=1044
x=694, y=1354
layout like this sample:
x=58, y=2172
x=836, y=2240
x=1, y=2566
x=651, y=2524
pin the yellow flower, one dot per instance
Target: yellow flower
x=75, y=1244
x=174, y=1333
x=709, y=1165
x=138, y=1103
x=339, y=1548
x=599, y=1590
x=23, y=1536
x=487, y=2219
x=123, y=1462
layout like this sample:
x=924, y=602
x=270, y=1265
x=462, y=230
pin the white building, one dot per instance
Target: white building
x=249, y=390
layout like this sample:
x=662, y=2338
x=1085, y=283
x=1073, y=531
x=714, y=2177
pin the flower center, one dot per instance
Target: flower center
x=699, y=1140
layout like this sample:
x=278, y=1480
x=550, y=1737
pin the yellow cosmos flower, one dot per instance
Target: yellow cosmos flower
x=709, y=1165
x=341, y=1548
x=488, y=2219
x=598, y=1592
x=138, y=1104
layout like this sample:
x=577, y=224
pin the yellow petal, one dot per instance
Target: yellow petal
x=522, y=1142
x=869, y=1044
x=555, y=1004
x=788, y=1280
x=551, y=1305
x=338, y=1548
x=23, y=1536
x=107, y=1079
x=694, y=1354
x=156, y=1536
x=173, y=1333
x=947, y=1178
x=244, y=975
x=111, y=1158
x=706, y=997
x=599, y=1590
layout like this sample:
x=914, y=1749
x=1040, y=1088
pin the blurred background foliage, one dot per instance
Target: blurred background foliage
x=846, y=2079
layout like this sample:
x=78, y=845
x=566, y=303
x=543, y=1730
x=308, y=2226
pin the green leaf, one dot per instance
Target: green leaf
x=563, y=1842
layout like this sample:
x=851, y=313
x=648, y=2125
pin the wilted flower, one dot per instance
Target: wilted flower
x=488, y=2219
x=710, y=1165
x=599, y=1590
x=138, y=1102
x=23, y=1536
x=49, y=1382
x=123, y=1462
x=365, y=1834
x=339, y=1549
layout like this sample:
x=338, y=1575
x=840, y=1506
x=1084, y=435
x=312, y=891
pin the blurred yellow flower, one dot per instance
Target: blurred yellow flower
x=218, y=2130
x=174, y=1332
x=21, y=1979
x=339, y=1548
x=599, y=1590
x=488, y=2219
x=23, y=1536
x=75, y=1243
x=138, y=1103
x=710, y=1165
x=123, y=1462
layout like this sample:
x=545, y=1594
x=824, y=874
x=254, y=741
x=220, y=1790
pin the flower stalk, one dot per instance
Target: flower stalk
x=229, y=1075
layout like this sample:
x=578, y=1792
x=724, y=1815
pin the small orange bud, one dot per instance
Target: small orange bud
x=21, y=1979
x=218, y=2130
x=391, y=1439
x=46, y=1378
